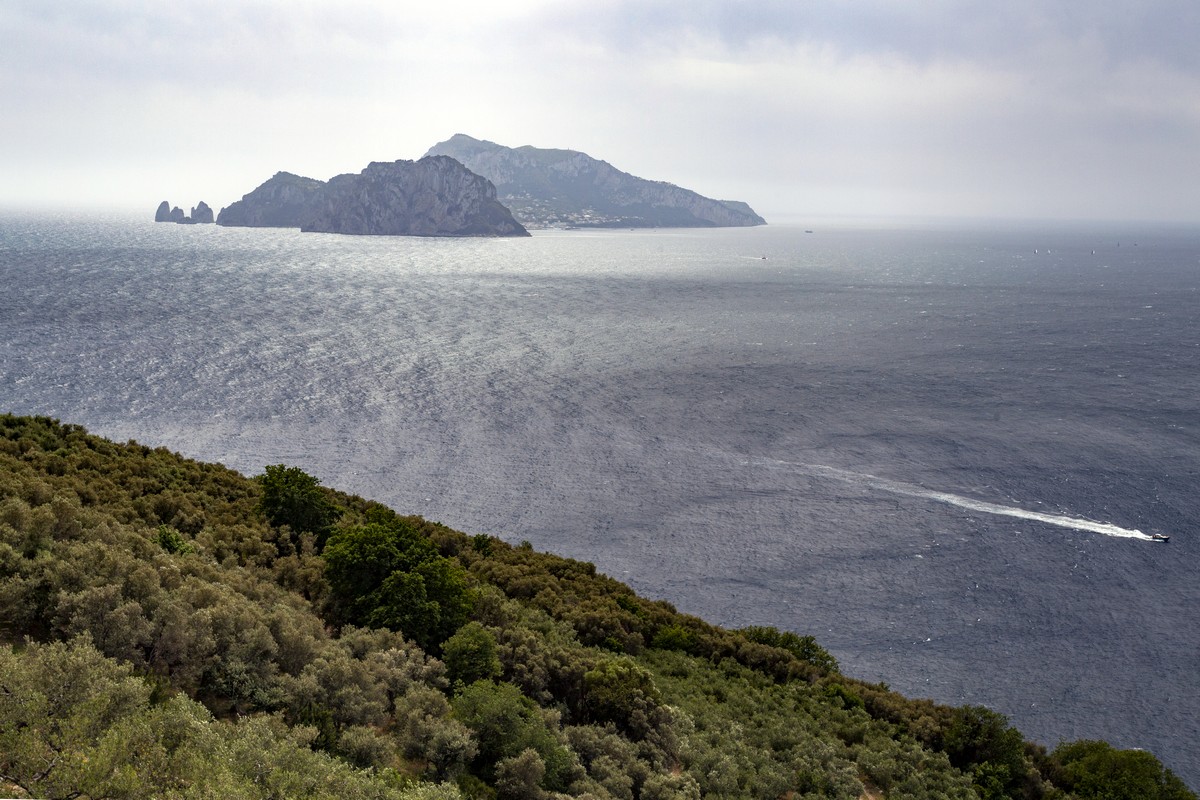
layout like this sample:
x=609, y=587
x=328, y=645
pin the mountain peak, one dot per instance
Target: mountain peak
x=547, y=188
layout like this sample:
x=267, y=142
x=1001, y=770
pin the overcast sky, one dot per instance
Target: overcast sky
x=1021, y=108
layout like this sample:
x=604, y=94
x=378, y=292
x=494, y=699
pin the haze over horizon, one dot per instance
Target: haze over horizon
x=1022, y=110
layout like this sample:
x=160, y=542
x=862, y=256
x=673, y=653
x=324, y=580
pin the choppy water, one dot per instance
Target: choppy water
x=939, y=451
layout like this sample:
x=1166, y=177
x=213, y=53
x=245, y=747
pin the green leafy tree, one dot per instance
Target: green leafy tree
x=471, y=655
x=1099, y=771
x=428, y=603
x=358, y=560
x=803, y=647
x=674, y=637
x=172, y=541
x=425, y=730
x=520, y=777
x=292, y=497
x=621, y=692
x=506, y=723
x=981, y=742
x=385, y=575
x=57, y=702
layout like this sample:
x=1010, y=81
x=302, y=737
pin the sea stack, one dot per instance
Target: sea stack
x=200, y=214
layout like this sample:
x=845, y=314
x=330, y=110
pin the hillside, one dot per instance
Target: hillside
x=173, y=628
x=430, y=197
x=565, y=188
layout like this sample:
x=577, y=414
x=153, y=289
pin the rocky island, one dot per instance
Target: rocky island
x=435, y=196
x=200, y=214
x=546, y=188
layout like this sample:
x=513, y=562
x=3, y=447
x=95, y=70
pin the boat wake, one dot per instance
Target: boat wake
x=909, y=490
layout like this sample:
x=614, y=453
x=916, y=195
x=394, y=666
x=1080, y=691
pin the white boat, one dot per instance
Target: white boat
x=1160, y=537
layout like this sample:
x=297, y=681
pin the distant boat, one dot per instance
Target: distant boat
x=1160, y=537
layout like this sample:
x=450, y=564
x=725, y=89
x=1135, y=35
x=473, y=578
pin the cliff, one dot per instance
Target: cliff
x=436, y=196
x=566, y=188
x=284, y=201
x=430, y=197
x=200, y=214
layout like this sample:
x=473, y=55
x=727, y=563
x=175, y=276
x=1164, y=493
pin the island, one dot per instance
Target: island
x=548, y=188
x=434, y=196
x=201, y=214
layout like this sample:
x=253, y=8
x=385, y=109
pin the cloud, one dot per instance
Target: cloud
x=941, y=107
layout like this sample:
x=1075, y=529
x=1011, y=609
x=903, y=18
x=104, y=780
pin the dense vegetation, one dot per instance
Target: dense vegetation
x=174, y=629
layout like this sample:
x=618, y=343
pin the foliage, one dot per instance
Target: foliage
x=173, y=542
x=74, y=723
x=293, y=498
x=180, y=643
x=471, y=655
x=506, y=723
x=804, y=648
x=1091, y=769
x=745, y=735
x=623, y=693
x=605, y=613
x=981, y=741
x=384, y=574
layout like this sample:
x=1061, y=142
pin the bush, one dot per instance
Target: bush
x=1092, y=769
x=804, y=648
x=291, y=497
x=385, y=575
x=471, y=655
x=505, y=724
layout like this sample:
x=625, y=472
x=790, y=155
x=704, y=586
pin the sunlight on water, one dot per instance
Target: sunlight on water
x=620, y=396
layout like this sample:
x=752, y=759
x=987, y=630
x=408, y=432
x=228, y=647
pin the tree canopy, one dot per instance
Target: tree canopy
x=293, y=498
x=162, y=634
x=386, y=575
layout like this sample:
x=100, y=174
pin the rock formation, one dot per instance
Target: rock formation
x=436, y=196
x=566, y=188
x=202, y=214
x=165, y=213
x=284, y=201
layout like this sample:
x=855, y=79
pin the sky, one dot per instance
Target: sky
x=1023, y=109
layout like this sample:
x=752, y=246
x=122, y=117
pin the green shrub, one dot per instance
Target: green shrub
x=471, y=655
x=293, y=498
x=1099, y=771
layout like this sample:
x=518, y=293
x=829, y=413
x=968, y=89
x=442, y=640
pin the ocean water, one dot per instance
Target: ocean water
x=941, y=451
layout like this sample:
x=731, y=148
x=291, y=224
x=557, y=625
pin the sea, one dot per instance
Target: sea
x=941, y=449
